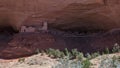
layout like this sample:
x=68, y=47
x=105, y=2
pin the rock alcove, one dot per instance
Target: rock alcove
x=67, y=16
x=7, y=30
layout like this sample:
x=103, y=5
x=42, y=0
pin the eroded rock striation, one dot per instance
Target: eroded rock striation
x=26, y=44
x=61, y=14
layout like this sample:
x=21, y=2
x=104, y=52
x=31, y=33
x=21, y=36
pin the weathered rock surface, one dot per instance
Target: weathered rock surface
x=81, y=15
x=25, y=44
x=62, y=14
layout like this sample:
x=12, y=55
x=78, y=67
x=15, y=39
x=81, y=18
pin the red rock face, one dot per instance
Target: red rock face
x=88, y=16
x=25, y=44
x=82, y=15
x=62, y=14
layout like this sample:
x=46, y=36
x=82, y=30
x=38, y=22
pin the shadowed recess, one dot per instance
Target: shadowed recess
x=7, y=30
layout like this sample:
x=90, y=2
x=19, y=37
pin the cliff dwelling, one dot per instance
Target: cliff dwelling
x=67, y=24
x=43, y=26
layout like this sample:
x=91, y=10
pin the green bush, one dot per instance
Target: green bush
x=75, y=52
x=80, y=56
x=86, y=63
x=107, y=51
x=55, y=53
x=94, y=55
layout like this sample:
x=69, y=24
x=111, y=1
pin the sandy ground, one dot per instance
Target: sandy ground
x=97, y=61
x=35, y=61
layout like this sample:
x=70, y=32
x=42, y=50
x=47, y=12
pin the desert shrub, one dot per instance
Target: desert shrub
x=59, y=54
x=80, y=56
x=94, y=55
x=86, y=63
x=75, y=52
x=21, y=60
x=88, y=55
x=107, y=51
x=67, y=58
x=68, y=53
x=116, y=48
x=55, y=53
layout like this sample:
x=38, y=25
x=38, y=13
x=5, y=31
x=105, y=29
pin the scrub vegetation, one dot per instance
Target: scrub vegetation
x=76, y=59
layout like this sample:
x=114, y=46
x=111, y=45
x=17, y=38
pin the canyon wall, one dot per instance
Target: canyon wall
x=62, y=14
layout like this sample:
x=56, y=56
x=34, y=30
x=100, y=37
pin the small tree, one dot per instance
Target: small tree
x=107, y=51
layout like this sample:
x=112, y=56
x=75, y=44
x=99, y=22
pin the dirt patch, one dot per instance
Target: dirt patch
x=35, y=61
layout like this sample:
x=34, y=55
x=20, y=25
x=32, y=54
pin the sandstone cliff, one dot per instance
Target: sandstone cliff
x=62, y=14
